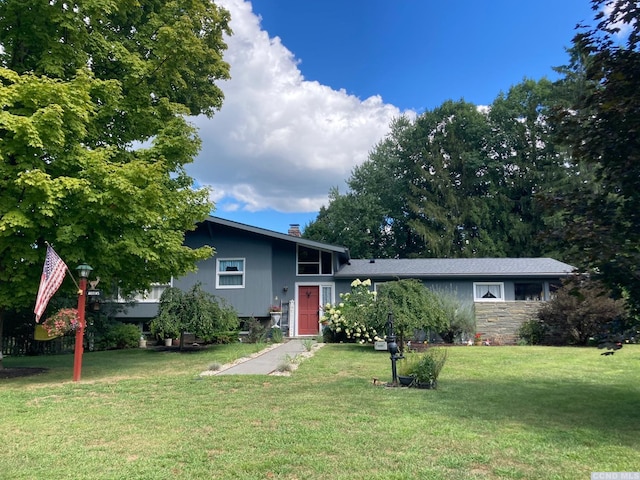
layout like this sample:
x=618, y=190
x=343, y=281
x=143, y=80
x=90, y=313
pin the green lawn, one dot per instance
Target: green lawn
x=499, y=412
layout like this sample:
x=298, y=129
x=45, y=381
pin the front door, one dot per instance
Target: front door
x=308, y=309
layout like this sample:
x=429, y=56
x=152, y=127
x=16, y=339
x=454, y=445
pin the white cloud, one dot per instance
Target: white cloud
x=280, y=141
x=624, y=28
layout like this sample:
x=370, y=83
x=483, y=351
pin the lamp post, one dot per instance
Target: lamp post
x=83, y=270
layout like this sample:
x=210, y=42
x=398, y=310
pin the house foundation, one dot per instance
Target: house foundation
x=499, y=322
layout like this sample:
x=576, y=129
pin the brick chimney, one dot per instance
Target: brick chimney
x=294, y=230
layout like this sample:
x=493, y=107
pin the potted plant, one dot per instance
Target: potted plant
x=406, y=368
x=61, y=322
x=276, y=313
x=422, y=369
x=166, y=328
x=428, y=368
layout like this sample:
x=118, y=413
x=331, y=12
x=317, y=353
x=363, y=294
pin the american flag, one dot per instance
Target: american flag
x=52, y=276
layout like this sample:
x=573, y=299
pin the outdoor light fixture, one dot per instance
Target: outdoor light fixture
x=83, y=271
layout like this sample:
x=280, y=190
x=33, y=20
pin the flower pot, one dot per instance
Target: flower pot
x=405, y=381
x=275, y=318
x=168, y=342
x=143, y=343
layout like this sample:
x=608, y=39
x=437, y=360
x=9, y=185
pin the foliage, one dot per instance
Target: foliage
x=354, y=318
x=414, y=307
x=125, y=335
x=600, y=216
x=194, y=311
x=424, y=366
x=531, y=332
x=308, y=344
x=61, y=322
x=460, y=318
x=459, y=181
x=276, y=335
x=167, y=324
x=257, y=331
x=580, y=310
x=80, y=85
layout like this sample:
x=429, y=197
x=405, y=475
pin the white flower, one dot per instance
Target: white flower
x=356, y=283
x=367, y=283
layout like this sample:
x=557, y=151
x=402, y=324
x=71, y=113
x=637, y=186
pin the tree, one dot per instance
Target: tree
x=459, y=181
x=194, y=311
x=81, y=84
x=353, y=220
x=414, y=307
x=372, y=218
x=600, y=216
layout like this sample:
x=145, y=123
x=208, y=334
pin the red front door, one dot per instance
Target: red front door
x=308, y=310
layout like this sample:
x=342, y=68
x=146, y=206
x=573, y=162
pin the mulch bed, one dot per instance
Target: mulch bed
x=18, y=372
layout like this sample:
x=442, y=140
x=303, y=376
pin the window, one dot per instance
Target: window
x=488, y=292
x=152, y=295
x=326, y=294
x=312, y=261
x=230, y=273
x=529, y=291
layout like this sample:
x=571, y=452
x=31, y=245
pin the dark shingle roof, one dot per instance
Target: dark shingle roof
x=454, y=267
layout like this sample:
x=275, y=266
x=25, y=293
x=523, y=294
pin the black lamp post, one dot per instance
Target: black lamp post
x=392, y=346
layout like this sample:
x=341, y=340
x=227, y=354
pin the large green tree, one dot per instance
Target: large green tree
x=94, y=138
x=459, y=181
x=601, y=214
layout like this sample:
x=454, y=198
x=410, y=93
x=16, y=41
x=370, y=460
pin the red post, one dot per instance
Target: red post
x=77, y=356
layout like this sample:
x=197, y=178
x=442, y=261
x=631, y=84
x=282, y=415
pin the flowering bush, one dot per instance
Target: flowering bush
x=61, y=322
x=353, y=318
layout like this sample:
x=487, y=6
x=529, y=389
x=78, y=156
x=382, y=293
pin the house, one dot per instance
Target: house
x=254, y=268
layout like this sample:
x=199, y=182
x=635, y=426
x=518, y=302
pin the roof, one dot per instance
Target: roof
x=280, y=236
x=454, y=267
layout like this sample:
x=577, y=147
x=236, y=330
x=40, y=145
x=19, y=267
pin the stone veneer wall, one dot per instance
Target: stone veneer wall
x=499, y=321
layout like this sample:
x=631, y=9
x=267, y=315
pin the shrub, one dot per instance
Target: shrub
x=276, y=335
x=195, y=311
x=460, y=318
x=581, y=309
x=414, y=307
x=257, y=331
x=353, y=319
x=126, y=335
x=424, y=366
x=531, y=332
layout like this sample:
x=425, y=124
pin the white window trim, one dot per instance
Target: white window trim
x=480, y=299
x=219, y=273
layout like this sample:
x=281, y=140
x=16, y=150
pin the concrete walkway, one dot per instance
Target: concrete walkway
x=267, y=362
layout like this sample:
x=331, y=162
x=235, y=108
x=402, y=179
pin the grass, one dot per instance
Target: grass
x=499, y=413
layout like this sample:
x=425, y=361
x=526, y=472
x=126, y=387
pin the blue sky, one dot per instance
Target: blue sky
x=315, y=85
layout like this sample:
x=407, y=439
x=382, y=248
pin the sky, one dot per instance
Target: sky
x=315, y=85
